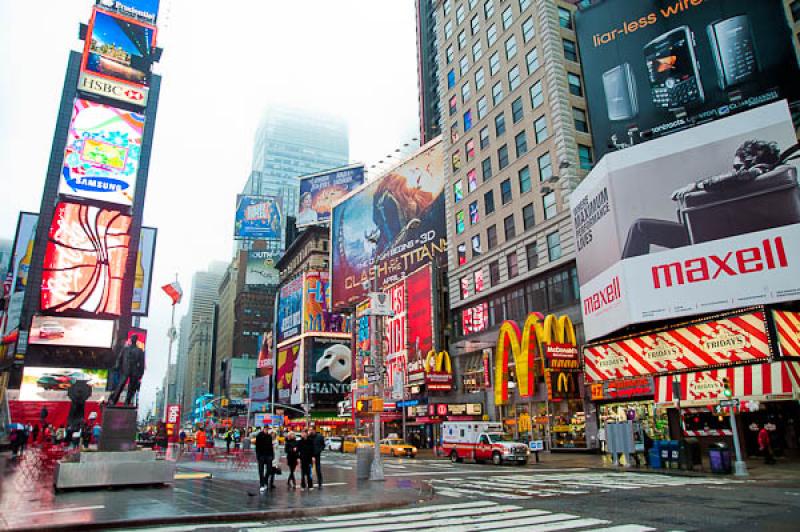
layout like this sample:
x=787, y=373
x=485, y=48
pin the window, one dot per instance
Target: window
x=795, y=8
x=446, y=7
x=532, y=60
x=468, y=121
x=455, y=160
x=499, y=124
x=505, y=192
x=579, y=116
x=460, y=222
x=537, y=96
x=532, y=256
x=575, y=86
x=473, y=213
x=484, y=136
x=497, y=93
x=550, y=207
x=472, y=180
x=449, y=53
x=494, y=64
x=491, y=237
x=453, y=105
x=570, y=50
x=528, y=30
x=494, y=273
x=508, y=17
x=483, y=107
x=502, y=157
x=524, y=4
x=458, y=191
x=463, y=66
x=508, y=226
x=475, y=24
x=471, y=3
x=451, y=79
x=540, y=127
x=565, y=18
x=528, y=217
x=554, y=246
x=513, y=78
x=466, y=92
x=476, y=246
x=448, y=29
x=491, y=35
x=479, y=79
x=585, y=156
x=454, y=132
x=477, y=51
x=460, y=14
x=511, y=48
x=488, y=9
x=462, y=254
x=545, y=167
x=488, y=202
x=478, y=275
x=524, y=177
x=521, y=144
x=469, y=149
x=486, y=168
x=464, y=287
x=513, y=268
x=516, y=110
x=462, y=39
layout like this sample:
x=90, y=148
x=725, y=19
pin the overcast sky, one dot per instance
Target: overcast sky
x=223, y=64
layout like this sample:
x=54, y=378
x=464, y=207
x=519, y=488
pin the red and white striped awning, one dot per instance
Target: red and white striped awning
x=787, y=323
x=758, y=382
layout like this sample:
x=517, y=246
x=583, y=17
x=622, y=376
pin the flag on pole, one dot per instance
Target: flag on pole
x=174, y=291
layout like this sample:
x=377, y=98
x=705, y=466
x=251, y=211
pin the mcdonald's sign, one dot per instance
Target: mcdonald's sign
x=438, y=371
x=561, y=385
x=528, y=347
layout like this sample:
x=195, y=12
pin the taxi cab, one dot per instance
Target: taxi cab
x=351, y=443
x=397, y=447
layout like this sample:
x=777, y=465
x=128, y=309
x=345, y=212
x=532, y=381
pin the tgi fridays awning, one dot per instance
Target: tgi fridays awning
x=787, y=324
x=755, y=382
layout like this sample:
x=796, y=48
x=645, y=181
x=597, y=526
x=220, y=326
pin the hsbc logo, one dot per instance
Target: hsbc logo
x=112, y=89
x=134, y=95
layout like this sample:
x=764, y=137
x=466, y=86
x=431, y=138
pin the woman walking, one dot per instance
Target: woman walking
x=292, y=456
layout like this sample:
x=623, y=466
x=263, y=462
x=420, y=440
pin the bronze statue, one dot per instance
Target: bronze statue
x=78, y=393
x=130, y=365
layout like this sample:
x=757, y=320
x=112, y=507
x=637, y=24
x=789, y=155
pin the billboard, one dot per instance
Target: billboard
x=265, y=363
x=141, y=337
x=331, y=368
x=653, y=67
x=259, y=389
x=395, y=334
x=140, y=304
x=257, y=217
x=389, y=226
x=19, y=268
x=144, y=10
x=317, y=316
x=51, y=384
x=84, y=261
x=119, y=48
x=73, y=332
x=260, y=268
x=703, y=221
x=318, y=192
x=419, y=291
x=290, y=309
x=101, y=158
x=286, y=362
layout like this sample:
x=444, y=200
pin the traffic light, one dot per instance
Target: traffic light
x=362, y=406
x=726, y=388
x=369, y=405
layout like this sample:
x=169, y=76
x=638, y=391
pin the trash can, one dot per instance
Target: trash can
x=690, y=453
x=363, y=462
x=719, y=456
x=654, y=458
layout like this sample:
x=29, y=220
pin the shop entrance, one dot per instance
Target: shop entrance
x=782, y=420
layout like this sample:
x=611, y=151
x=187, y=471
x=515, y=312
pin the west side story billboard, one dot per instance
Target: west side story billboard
x=652, y=67
x=318, y=192
x=395, y=224
x=703, y=221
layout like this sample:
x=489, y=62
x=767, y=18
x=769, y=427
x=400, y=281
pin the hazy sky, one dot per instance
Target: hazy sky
x=223, y=64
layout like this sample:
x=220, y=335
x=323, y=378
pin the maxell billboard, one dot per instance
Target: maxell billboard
x=705, y=220
x=654, y=67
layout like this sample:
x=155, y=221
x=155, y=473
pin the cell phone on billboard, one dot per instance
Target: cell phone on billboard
x=673, y=70
x=734, y=50
x=619, y=86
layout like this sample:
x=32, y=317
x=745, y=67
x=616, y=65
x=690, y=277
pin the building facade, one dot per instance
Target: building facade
x=428, y=70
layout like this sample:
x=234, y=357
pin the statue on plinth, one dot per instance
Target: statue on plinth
x=130, y=366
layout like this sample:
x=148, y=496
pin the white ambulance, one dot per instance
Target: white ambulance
x=480, y=441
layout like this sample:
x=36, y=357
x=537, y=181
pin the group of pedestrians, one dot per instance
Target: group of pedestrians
x=82, y=434
x=304, y=449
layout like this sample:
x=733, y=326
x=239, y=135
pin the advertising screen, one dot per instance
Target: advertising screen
x=703, y=221
x=19, y=267
x=257, y=217
x=653, y=67
x=389, y=226
x=259, y=389
x=287, y=361
x=419, y=291
x=55, y=330
x=317, y=316
x=265, y=364
x=290, y=309
x=52, y=384
x=331, y=368
x=318, y=193
x=140, y=304
x=101, y=158
x=144, y=10
x=261, y=268
x=119, y=48
x=395, y=334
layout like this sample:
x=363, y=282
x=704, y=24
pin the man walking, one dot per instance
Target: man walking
x=765, y=445
x=264, y=454
x=306, y=458
x=318, y=444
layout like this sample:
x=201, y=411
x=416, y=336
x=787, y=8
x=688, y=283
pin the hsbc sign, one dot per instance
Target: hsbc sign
x=114, y=90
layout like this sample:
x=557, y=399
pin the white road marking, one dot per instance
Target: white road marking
x=66, y=510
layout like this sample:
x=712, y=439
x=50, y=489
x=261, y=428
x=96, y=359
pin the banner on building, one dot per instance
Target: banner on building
x=18, y=268
x=290, y=309
x=265, y=364
x=258, y=217
x=787, y=324
x=145, y=257
x=144, y=10
x=71, y=332
x=259, y=389
x=261, y=268
x=286, y=359
x=52, y=384
x=319, y=192
x=331, y=368
x=173, y=423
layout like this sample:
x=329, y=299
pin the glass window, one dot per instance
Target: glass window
x=511, y=48
x=454, y=132
x=511, y=261
x=537, y=96
x=475, y=24
x=486, y=168
x=476, y=246
x=468, y=121
x=458, y=191
x=528, y=30
x=472, y=180
x=448, y=29
x=513, y=78
x=470, y=3
x=464, y=287
x=497, y=93
x=488, y=202
x=554, y=246
x=451, y=79
x=462, y=39
x=466, y=92
x=528, y=217
x=494, y=273
x=460, y=222
x=585, y=156
x=545, y=167
x=524, y=176
x=521, y=143
x=508, y=226
x=460, y=14
x=462, y=254
x=524, y=4
x=508, y=17
x=550, y=207
x=463, y=66
x=478, y=275
x=477, y=50
x=579, y=116
x=446, y=7
x=453, y=104
x=532, y=256
x=575, y=86
x=455, y=160
x=494, y=64
x=499, y=124
x=484, y=136
x=532, y=60
x=565, y=18
x=473, y=213
x=488, y=9
x=491, y=237
x=516, y=110
x=505, y=192
x=491, y=35
x=449, y=53
x=502, y=157
x=479, y=79
x=570, y=50
x=469, y=149
x=483, y=107
x=540, y=127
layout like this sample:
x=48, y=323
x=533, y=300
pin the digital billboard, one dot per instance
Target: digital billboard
x=389, y=226
x=140, y=304
x=84, y=262
x=653, y=67
x=419, y=291
x=72, y=332
x=19, y=268
x=703, y=221
x=119, y=48
x=265, y=364
x=257, y=217
x=285, y=369
x=52, y=384
x=331, y=368
x=290, y=309
x=144, y=10
x=261, y=268
x=101, y=158
x=318, y=192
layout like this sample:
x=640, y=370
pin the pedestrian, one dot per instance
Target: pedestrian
x=75, y=436
x=292, y=456
x=228, y=440
x=61, y=435
x=306, y=459
x=276, y=459
x=265, y=452
x=237, y=439
x=13, y=440
x=182, y=438
x=318, y=444
x=200, y=441
x=86, y=435
x=35, y=433
x=765, y=445
x=97, y=430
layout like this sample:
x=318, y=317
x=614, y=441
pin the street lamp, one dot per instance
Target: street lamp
x=376, y=470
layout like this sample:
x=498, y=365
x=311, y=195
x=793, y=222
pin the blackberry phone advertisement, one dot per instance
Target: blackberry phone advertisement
x=654, y=67
x=703, y=221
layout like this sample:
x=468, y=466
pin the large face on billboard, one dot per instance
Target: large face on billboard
x=257, y=217
x=654, y=67
x=84, y=262
x=119, y=47
x=390, y=226
x=706, y=220
x=320, y=191
x=290, y=309
x=331, y=367
x=52, y=384
x=101, y=159
x=140, y=303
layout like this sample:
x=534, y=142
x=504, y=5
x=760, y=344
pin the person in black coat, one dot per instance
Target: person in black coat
x=292, y=457
x=264, y=454
x=306, y=459
x=318, y=444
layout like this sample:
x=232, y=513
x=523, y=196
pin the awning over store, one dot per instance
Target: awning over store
x=787, y=323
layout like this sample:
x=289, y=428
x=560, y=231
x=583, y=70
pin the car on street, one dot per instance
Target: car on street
x=481, y=441
x=351, y=443
x=397, y=447
x=63, y=381
x=51, y=329
x=333, y=443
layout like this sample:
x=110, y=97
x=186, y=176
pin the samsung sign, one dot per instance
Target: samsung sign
x=114, y=90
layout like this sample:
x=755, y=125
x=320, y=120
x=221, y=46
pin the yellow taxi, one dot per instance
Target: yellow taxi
x=351, y=443
x=397, y=447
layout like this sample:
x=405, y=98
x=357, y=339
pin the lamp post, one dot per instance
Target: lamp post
x=376, y=470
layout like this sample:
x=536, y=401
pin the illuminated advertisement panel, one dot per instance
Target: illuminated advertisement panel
x=101, y=159
x=290, y=309
x=56, y=330
x=84, y=264
x=331, y=368
x=287, y=360
x=419, y=291
x=257, y=217
x=320, y=191
x=261, y=268
x=144, y=10
x=140, y=304
x=52, y=384
x=20, y=265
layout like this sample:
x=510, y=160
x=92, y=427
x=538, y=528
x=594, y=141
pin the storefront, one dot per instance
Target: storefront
x=629, y=400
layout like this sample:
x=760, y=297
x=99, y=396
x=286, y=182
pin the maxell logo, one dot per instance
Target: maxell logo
x=739, y=262
x=603, y=297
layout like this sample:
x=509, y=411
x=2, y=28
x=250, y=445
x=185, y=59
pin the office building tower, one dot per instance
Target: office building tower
x=427, y=70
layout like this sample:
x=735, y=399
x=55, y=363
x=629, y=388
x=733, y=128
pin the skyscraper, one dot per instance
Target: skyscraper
x=428, y=70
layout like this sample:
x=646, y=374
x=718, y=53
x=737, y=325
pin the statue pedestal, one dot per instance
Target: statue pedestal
x=119, y=429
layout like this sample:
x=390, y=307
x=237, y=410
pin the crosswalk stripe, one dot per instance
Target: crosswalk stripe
x=564, y=525
x=475, y=505
x=461, y=491
x=623, y=528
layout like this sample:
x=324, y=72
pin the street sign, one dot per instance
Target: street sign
x=729, y=402
x=369, y=368
x=379, y=305
x=373, y=377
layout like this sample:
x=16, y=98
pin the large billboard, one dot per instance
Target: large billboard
x=290, y=309
x=52, y=384
x=19, y=268
x=144, y=10
x=119, y=48
x=101, y=159
x=318, y=192
x=389, y=226
x=84, y=261
x=140, y=304
x=265, y=364
x=653, y=67
x=331, y=368
x=286, y=363
x=71, y=332
x=703, y=221
x=260, y=268
x=257, y=217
